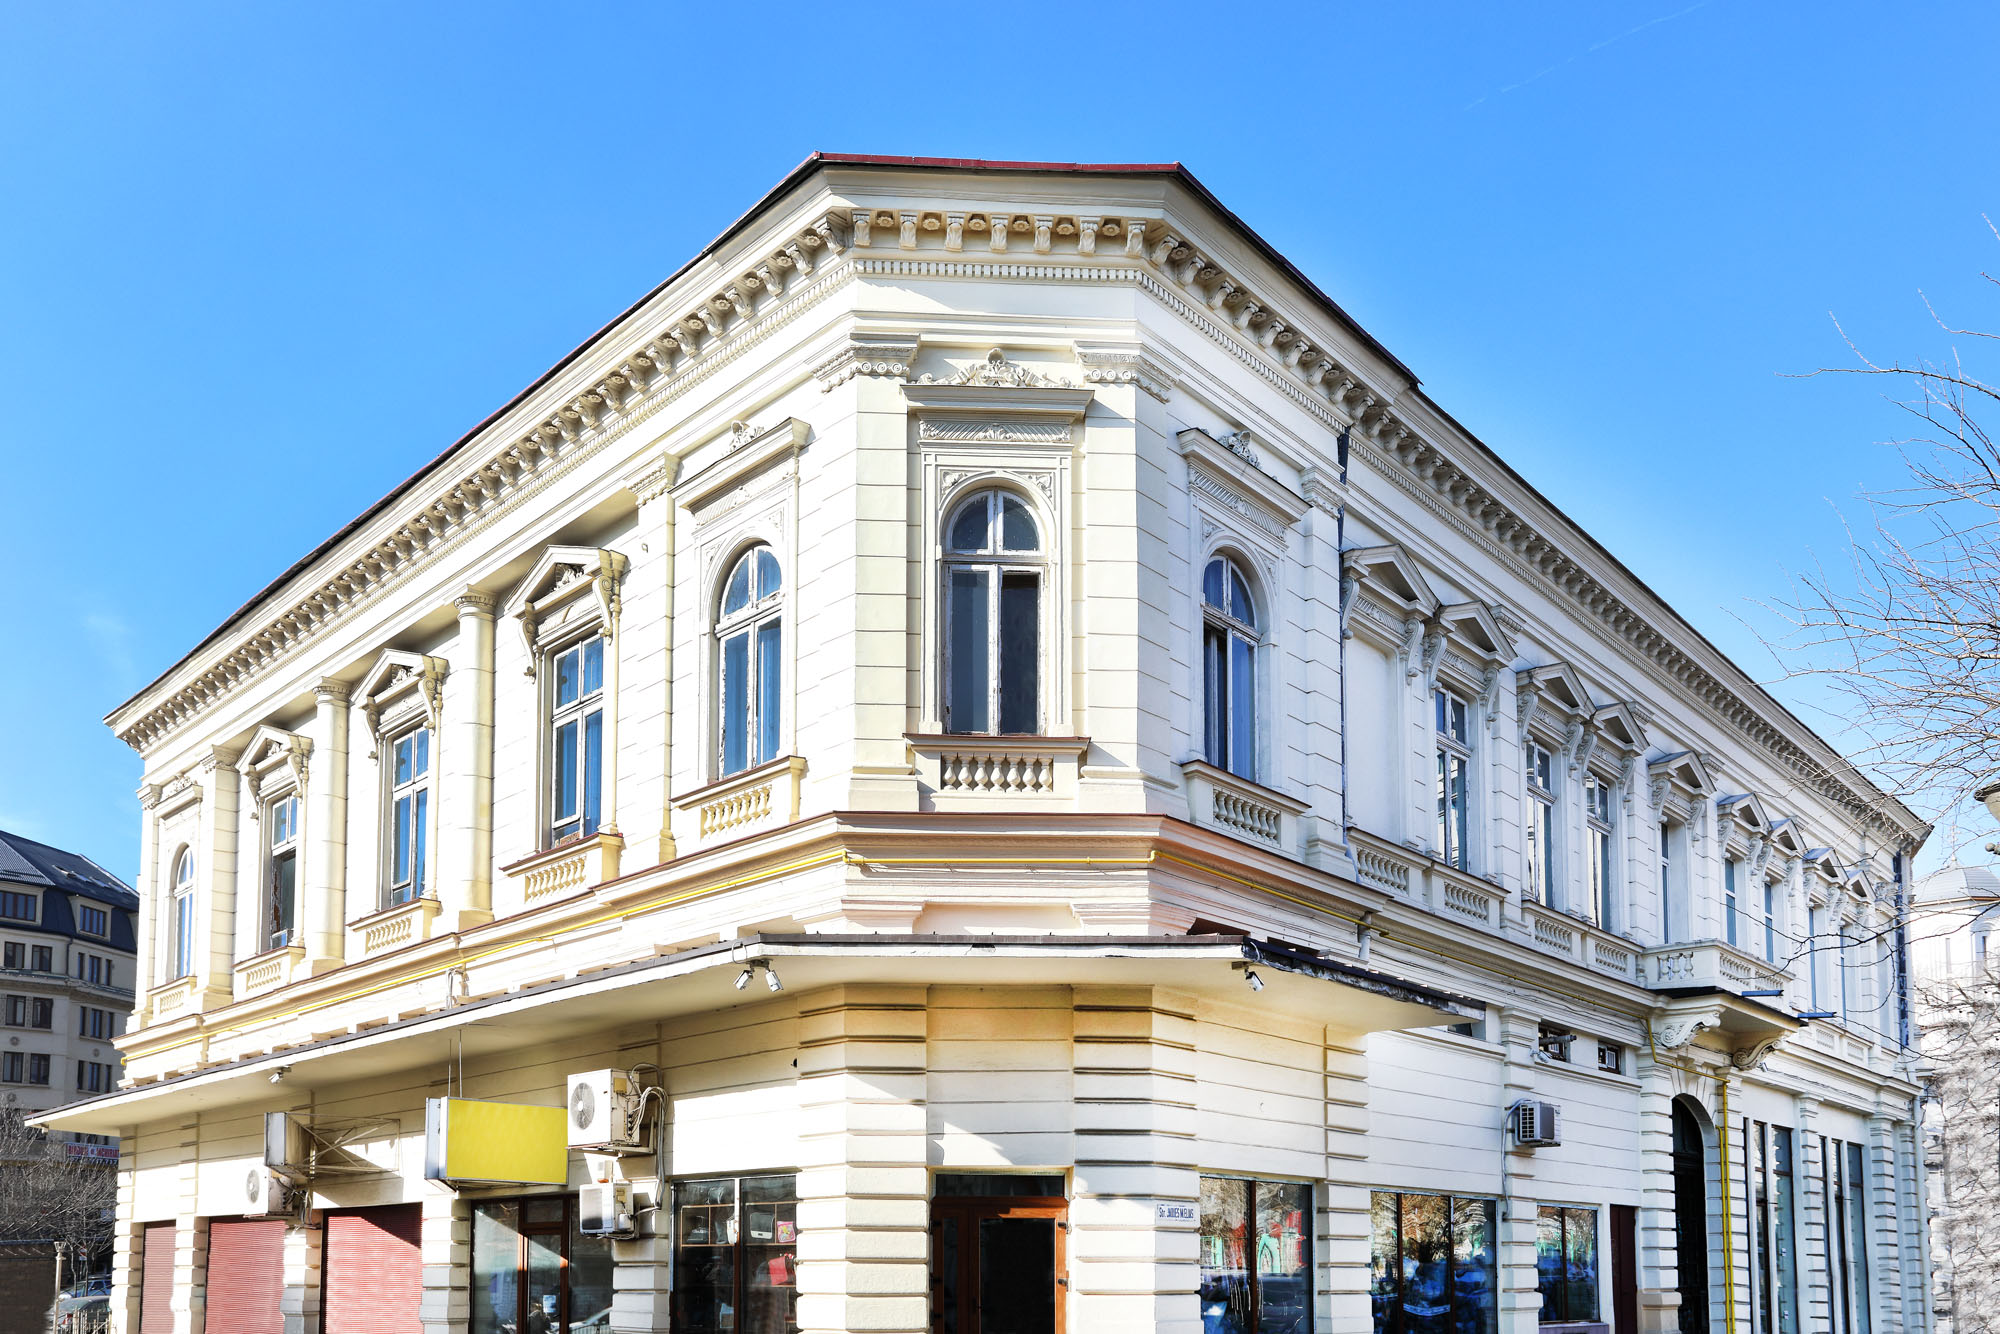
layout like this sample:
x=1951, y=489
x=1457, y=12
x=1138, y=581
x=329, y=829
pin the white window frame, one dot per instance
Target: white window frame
x=749, y=622
x=180, y=920
x=998, y=563
x=557, y=715
x=1600, y=848
x=1452, y=752
x=1672, y=863
x=402, y=694
x=274, y=849
x=420, y=790
x=1732, y=907
x=1220, y=724
x=1540, y=832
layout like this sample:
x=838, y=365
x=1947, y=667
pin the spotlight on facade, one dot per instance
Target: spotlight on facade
x=1256, y=982
x=743, y=978
x=771, y=978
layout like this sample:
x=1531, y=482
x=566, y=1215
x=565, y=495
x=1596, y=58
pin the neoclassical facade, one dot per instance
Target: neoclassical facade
x=1088, y=800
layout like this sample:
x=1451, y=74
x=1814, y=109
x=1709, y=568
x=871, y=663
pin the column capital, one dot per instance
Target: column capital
x=472, y=602
x=331, y=690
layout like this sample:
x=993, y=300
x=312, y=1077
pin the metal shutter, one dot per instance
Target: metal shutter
x=374, y=1275
x=246, y=1260
x=156, y=1279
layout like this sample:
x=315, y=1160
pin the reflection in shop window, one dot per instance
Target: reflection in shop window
x=1256, y=1256
x=533, y=1272
x=735, y=1255
x=1566, y=1264
x=1431, y=1267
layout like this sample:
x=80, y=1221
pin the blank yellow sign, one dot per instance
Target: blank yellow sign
x=467, y=1140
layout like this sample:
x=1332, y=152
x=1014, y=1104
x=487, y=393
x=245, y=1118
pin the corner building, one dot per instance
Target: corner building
x=1095, y=802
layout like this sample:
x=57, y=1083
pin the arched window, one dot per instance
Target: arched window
x=749, y=635
x=181, y=921
x=993, y=617
x=1229, y=668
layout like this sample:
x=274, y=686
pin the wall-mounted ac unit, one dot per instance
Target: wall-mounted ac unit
x=1536, y=1125
x=604, y=1209
x=606, y=1114
x=265, y=1192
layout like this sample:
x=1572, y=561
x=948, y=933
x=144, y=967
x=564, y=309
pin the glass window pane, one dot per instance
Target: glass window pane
x=400, y=863
x=770, y=673
x=496, y=1263
x=403, y=755
x=704, y=1297
x=566, y=678
x=544, y=1283
x=1580, y=1263
x=1020, y=652
x=589, y=1281
x=1427, y=1253
x=1017, y=526
x=1226, y=1299
x=1783, y=1228
x=1385, y=1271
x=593, y=666
x=1549, y=1263
x=593, y=769
x=419, y=839
x=1475, y=1279
x=969, y=530
x=1284, y=1257
x=769, y=1255
x=966, y=666
x=1211, y=586
x=768, y=579
x=735, y=703
x=565, y=772
x=736, y=594
x=284, y=874
x=1215, y=694
x=1239, y=599
x=422, y=765
x=1242, y=710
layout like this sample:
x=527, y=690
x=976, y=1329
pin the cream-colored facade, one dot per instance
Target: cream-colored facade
x=1065, y=873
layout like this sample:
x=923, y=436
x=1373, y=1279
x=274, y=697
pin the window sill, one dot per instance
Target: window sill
x=1224, y=802
x=746, y=802
x=394, y=927
x=568, y=867
x=973, y=771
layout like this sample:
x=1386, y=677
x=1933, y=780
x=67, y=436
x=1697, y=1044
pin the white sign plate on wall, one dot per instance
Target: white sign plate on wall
x=1181, y=1212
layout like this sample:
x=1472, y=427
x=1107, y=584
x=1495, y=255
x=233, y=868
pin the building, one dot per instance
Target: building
x=1958, y=1008
x=1093, y=801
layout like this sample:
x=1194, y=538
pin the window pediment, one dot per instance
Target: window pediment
x=1617, y=727
x=751, y=451
x=1387, y=574
x=402, y=682
x=568, y=586
x=996, y=401
x=1228, y=472
x=274, y=758
x=1556, y=688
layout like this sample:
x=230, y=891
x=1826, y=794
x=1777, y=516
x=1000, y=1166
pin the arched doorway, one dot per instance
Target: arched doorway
x=1691, y=1217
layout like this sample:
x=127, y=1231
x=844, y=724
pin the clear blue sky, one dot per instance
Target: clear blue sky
x=258, y=262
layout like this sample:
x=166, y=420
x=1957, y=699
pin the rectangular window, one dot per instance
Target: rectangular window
x=94, y=969
x=1784, y=1232
x=92, y=1022
x=93, y=1077
x=281, y=861
x=1256, y=1255
x=1670, y=924
x=409, y=815
x=1813, y=926
x=1554, y=1042
x=1597, y=822
x=183, y=929
x=576, y=740
x=1566, y=1264
x=38, y=1068
x=1431, y=1264
x=1850, y=976
x=14, y=956
x=45, y=959
x=1541, y=825
x=1730, y=909
x=1770, y=923
x=1846, y=1183
x=532, y=1269
x=1454, y=761
x=735, y=1255
x=42, y=1014
x=93, y=921
x=17, y=1012
x=1611, y=1058
x=18, y=907
x=13, y=1067
x=1757, y=1185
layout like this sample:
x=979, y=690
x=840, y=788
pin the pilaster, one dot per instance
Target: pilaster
x=217, y=877
x=149, y=963
x=648, y=626
x=127, y=1246
x=299, y=1302
x=641, y=1281
x=1345, y=1214
x=1659, y=1263
x=190, y=1300
x=324, y=905
x=1729, y=1252
x=1816, y=1297
x=444, y=1245
x=1885, y=1229
x=465, y=880
x=863, y=1183
x=1132, y=1067
x=1520, y=1304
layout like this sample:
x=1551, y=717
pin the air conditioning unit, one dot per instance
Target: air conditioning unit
x=1536, y=1125
x=604, y=1209
x=265, y=1192
x=606, y=1112
x=284, y=1145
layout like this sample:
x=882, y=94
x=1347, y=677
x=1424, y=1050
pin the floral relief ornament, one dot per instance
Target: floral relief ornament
x=998, y=372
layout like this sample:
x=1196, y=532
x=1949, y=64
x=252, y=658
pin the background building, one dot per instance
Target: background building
x=1096, y=804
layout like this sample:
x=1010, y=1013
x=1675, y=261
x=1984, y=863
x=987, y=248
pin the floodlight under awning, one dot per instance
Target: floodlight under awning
x=1294, y=984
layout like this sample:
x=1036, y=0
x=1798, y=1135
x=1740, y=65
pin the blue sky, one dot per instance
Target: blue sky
x=259, y=262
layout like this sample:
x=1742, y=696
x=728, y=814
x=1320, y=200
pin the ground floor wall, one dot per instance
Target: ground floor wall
x=1122, y=1159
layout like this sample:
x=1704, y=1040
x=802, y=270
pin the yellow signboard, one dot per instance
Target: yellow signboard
x=470, y=1141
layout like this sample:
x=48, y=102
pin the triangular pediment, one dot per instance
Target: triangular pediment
x=1559, y=687
x=558, y=569
x=1685, y=769
x=1619, y=724
x=1392, y=575
x=1746, y=810
x=1787, y=838
x=1474, y=624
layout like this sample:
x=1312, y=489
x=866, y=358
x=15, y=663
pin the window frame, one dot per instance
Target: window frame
x=1539, y=829
x=1454, y=755
x=748, y=622
x=1395, y=1296
x=421, y=791
x=1221, y=727
x=12, y=901
x=1557, y=1312
x=737, y=1244
x=180, y=922
x=523, y=1230
x=274, y=851
x=1601, y=846
x=555, y=716
x=999, y=562
x=1253, y=1277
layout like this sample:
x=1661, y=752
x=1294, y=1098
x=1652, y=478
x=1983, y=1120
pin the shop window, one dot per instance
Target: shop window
x=1431, y=1265
x=735, y=1255
x=1566, y=1264
x=533, y=1272
x=1256, y=1256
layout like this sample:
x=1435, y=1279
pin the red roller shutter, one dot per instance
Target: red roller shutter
x=156, y=1279
x=374, y=1275
x=246, y=1263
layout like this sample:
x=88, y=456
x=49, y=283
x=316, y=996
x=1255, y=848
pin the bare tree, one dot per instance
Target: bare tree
x=1911, y=638
x=46, y=1195
x=1961, y=1039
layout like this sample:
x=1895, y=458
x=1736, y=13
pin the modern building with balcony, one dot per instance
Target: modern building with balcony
x=1068, y=793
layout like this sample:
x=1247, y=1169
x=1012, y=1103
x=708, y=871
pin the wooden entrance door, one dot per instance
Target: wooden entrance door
x=997, y=1265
